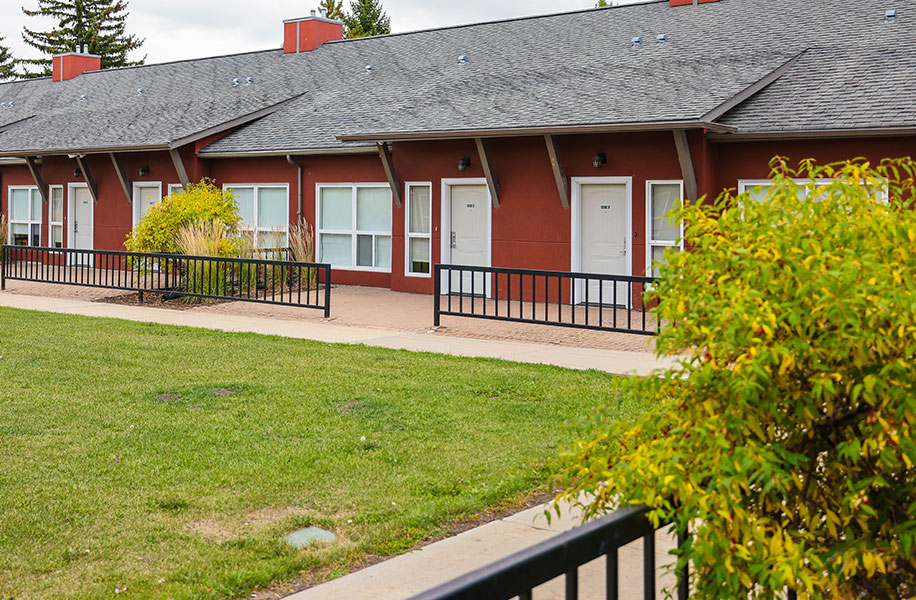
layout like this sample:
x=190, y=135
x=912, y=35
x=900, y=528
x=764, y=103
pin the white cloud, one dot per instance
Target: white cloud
x=181, y=29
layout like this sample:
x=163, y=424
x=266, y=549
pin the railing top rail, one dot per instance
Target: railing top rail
x=168, y=256
x=546, y=273
x=552, y=558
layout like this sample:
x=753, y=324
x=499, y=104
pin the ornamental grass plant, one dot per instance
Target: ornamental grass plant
x=783, y=439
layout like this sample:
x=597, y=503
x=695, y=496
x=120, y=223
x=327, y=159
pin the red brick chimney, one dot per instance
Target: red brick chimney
x=689, y=2
x=307, y=33
x=69, y=65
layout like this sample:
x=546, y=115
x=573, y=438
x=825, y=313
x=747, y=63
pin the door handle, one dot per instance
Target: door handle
x=454, y=240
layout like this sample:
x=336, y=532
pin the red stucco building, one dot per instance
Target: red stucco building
x=553, y=142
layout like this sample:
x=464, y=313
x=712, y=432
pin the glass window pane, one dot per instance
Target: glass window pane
x=57, y=236
x=20, y=234
x=244, y=198
x=36, y=206
x=364, y=250
x=420, y=206
x=19, y=205
x=658, y=257
x=758, y=192
x=665, y=198
x=373, y=209
x=336, y=249
x=336, y=208
x=272, y=209
x=57, y=204
x=419, y=255
x=272, y=239
x=36, y=235
x=383, y=252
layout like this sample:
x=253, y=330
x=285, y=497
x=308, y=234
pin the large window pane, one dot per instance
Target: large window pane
x=272, y=239
x=36, y=235
x=244, y=198
x=383, y=252
x=364, y=251
x=19, y=205
x=36, y=206
x=419, y=209
x=272, y=208
x=57, y=236
x=658, y=257
x=665, y=198
x=20, y=234
x=336, y=208
x=336, y=249
x=57, y=204
x=373, y=209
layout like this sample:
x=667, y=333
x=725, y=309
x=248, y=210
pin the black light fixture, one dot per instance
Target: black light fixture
x=77, y=173
x=599, y=160
x=144, y=171
x=464, y=163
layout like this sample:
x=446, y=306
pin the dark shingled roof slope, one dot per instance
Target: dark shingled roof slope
x=567, y=70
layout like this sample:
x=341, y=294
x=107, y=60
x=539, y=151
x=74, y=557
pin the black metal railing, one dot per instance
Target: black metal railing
x=565, y=299
x=562, y=556
x=305, y=285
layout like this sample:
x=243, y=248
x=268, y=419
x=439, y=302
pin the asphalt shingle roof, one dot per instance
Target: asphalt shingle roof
x=555, y=71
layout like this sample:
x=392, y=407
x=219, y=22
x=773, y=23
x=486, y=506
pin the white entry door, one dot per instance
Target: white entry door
x=82, y=223
x=604, y=232
x=467, y=237
x=145, y=197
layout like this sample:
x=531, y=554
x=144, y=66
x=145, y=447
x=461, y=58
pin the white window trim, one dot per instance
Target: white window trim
x=257, y=229
x=135, y=198
x=408, y=236
x=174, y=187
x=650, y=242
x=354, y=247
x=31, y=221
x=51, y=222
x=746, y=185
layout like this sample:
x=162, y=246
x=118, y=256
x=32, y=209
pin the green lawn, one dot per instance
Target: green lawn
x=120, y=466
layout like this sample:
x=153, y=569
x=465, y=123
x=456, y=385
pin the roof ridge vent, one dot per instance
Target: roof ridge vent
x=370, y=68
x=463, y=59
x=661, y=39
x=637, y=41
x=890, y=16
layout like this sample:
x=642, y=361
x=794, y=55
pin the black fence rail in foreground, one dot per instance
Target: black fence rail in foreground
x=305, y=285
x=562, y=556
x=565, y=299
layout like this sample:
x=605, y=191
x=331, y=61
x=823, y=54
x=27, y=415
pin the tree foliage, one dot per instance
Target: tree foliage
x=96, y=26
x=366, y=17
x=783, y=439
x=7, y=63
x=202, y=202
x=333, y=9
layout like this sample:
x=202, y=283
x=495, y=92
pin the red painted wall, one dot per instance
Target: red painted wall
x=530, y=228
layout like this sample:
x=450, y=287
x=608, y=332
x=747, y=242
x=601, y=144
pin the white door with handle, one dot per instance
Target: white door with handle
x=466, y=235
x=82, y=209
x=602, y=239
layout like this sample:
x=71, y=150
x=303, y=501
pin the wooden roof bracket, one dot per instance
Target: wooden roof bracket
x=394, y=182
x=686, y=162
x=559, y=173
x=87, y=177
x=122, y=177
x=492, y=181
x=179, y=167
x=36, y=176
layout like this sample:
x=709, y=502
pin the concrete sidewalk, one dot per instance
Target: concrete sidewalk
x=420, y=570
x=611, y=361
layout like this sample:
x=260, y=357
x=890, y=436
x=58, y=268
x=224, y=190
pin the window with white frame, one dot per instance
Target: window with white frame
x=419, y=229
x=662, y=197
x=25, y=216
x=56, y=216
x=354, y=226
x=174, y=188
x=757, y=188
x=264, y=209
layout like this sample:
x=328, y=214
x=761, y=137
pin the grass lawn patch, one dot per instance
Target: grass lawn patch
x=148, y=461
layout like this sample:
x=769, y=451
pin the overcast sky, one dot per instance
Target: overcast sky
x=179, y=29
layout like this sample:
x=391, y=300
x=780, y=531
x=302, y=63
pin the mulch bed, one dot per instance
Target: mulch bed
x=159, y=301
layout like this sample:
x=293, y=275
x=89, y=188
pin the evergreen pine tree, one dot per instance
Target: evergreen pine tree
x=6, y=62
x=333, y=9
x=93, y=26
x=366, y=18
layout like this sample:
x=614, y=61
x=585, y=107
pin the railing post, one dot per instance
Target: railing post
x=437, y=285
x=2, y=267
x=327, y=292
x=683, y=580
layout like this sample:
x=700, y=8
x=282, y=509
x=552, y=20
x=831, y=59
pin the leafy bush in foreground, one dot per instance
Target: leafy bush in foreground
x=784, y=438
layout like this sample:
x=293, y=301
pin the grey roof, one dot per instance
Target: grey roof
x=567, y=70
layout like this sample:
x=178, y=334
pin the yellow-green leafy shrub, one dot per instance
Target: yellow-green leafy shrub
x=158, y=230
x=784, y=438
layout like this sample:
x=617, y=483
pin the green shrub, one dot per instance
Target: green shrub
x=158, y=230
x=783, y=440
